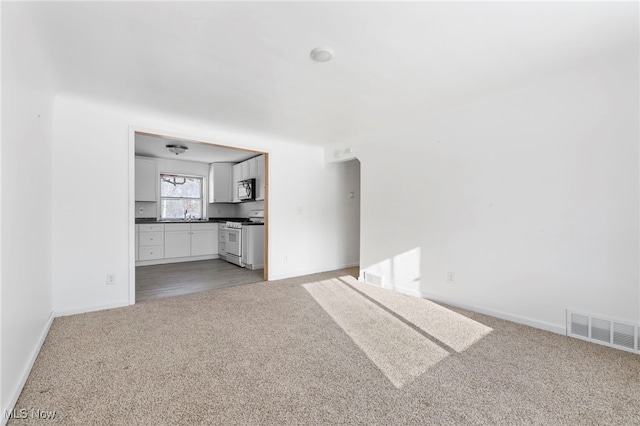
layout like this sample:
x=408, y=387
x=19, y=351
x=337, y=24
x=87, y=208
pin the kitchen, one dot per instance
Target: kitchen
x=199, y=216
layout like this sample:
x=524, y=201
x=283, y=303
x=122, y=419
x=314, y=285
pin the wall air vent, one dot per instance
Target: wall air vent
x=372, y=279
x=609, y=332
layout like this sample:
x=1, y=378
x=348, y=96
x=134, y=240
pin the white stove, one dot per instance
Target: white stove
x=233, y=230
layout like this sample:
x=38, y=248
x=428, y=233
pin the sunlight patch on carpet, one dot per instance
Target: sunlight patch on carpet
x=400, y=352
x=451, y=328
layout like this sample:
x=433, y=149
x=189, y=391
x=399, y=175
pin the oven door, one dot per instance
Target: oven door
x=233, y=246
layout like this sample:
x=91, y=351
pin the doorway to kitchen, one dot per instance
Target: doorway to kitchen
x=189, y=198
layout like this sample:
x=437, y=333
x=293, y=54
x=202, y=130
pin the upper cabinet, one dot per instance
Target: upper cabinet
x=220, y=179
x=260, y=177
x=146, y=179
x=249, y=169
x=246, y=171
x=237, y=176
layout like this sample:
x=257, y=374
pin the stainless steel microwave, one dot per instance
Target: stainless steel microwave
x=246, y=189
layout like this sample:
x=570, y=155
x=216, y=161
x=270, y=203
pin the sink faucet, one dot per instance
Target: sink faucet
x=185, y=215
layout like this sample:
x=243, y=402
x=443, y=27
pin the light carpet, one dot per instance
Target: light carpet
x=273, y=353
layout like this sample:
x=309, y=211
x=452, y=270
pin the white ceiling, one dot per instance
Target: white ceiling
x=156, y=147
x=246, y=65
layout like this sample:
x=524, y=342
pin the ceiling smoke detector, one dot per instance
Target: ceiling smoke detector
x=322, y=54
x=177, y=149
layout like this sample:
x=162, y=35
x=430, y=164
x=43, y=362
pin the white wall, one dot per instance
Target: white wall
x=222, y=210
x=92, y=139
x=26, y=202
x=243, y=209
x=529, y=197
x=346, y=210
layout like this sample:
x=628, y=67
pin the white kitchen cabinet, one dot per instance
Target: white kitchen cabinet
x=245, y=167
x=222, y=240
x=253, y=246
x=146, y=179
x=260, y=178
x=150, y=241
x=190, y=239
x=204, y=239
x=220, y=183
x=137, y=242
x=236, y=172
x=253, y=168
x=177, y=240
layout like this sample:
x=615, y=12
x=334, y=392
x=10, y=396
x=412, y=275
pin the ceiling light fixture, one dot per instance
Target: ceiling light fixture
x=322, y=54
x=177, y=149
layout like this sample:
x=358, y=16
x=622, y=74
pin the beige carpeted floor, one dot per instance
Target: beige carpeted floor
x=321, y=350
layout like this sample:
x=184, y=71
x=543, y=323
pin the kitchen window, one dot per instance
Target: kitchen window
x=181, y=196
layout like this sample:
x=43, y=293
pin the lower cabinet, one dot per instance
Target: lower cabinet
x=176, y=242
x=150, y=241
x=204, y=239
x=253, y=246
x=137, y=243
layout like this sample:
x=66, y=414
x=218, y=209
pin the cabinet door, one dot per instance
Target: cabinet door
x=220, y=183
x=177, y=244
x=260, y=178
x=203, y=243
x=137, y=242
x=246, y=170
x=146, y=179
x=237, y=176
x=253, y=168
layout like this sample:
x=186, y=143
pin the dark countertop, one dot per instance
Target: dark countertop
x=244, y=220
x=140, y=220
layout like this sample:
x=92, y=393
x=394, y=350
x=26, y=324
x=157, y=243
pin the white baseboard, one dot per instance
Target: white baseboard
x=176, y=260
x=300, y=273
x=509, y=317
x=27, y=370
x=91, y=309
x=408, y=291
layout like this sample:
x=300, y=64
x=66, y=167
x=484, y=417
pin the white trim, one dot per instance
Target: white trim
x=275, y=277
x=91, y=309
x=410, y=292
x=131, y=152
x=176, y=260
x=27, y=370
x=509, y=317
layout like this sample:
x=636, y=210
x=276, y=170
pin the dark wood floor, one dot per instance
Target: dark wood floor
x=173, y=279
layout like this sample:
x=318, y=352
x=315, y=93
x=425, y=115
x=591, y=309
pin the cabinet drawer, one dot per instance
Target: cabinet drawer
x=151, y=238
x=150, y=253
x=151, y=227
x=177, y=227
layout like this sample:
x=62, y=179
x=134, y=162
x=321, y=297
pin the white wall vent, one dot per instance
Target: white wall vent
x=372, y=279
x=617, y=334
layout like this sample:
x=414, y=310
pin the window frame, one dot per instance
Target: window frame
x=202, y=198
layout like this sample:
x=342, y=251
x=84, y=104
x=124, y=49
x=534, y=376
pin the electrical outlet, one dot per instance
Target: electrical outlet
x=111, y=279
x=450, y=277
x=286, y=257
